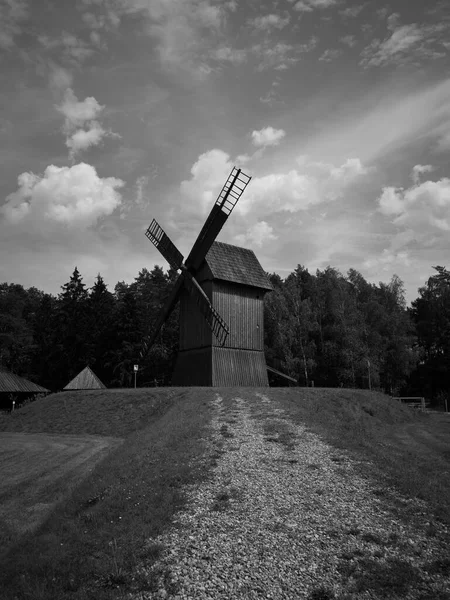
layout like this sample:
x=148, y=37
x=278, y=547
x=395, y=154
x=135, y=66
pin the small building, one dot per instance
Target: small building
x=19, y=389
x=235, y=284
x=85, y=380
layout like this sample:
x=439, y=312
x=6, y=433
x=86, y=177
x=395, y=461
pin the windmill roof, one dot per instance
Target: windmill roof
x=85, y=380
x=9, y=382
x=239, y=265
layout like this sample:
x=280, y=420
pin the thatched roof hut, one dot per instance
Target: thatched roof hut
x=85, y=380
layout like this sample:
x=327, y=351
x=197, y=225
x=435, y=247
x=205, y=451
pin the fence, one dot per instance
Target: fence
x=414, y=402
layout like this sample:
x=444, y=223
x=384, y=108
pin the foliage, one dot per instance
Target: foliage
x=326, y=329
x=337, y=331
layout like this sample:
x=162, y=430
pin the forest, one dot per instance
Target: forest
x=327, y=329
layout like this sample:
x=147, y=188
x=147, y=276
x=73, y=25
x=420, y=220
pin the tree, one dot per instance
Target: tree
x=73, y=323
x=431, y=315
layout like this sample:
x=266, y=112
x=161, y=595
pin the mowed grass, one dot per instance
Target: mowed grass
x=92, y=542
x=398, y=445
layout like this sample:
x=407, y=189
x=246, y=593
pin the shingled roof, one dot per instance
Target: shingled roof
x=85, y=380
x=15, y=384
x=239, y=265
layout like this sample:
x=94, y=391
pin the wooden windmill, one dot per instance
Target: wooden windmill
x=221, y=290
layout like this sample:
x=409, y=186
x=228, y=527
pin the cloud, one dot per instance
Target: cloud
x=348, y=40
x=185, y=31
x=281, y=56
x=72, y=197
x=76, y=112
x=141, y=186
x=290, y=191
x=330, y=55
x=352, y=11
x=12, y=15
x=418, y=170
x=405, y=44
x=209, y=173
x=231, y=55
x=310, y=5
x=423, y=208
x=267, y=22
x=82, y=139
x=74, y=49
x=267, y=136
x=59, y=78
x=81, y=124
x=258, y=234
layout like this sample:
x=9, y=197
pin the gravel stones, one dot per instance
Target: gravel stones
x=286, y=516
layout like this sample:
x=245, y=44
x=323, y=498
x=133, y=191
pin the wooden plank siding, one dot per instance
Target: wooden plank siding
x=242, y=309
x=218, y=367
x=236, y=367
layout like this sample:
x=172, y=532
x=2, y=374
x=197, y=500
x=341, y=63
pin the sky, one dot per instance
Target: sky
x=115, y=112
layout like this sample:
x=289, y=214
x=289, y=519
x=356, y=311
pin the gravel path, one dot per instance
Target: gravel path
x=286, y=516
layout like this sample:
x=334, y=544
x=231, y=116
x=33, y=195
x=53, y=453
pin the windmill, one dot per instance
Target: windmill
x=220, y=289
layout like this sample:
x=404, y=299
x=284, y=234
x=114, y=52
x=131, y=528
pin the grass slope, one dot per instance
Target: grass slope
x=93, y=540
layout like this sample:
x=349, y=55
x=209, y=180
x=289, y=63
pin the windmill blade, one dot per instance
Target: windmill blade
x=163, y=316
x=231, y=192
x=213, y=318
x=161, y=240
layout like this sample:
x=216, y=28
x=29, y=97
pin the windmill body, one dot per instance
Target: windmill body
x=220, y=290
x=235, y=283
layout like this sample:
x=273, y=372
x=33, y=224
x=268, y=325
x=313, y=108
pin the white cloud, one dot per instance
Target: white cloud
x=423, y=208
x=227, y=54
x=81, y=124
x=348, y=40
x=292, y=191
x=281, y=56
x=73, y=197
x=405, y=44
x=267, y=22
x=258, y=234
x=268, y=136
x=185, y=31
x=59, y=78
x=76, y=112
x=141, y=186
x=418, y=170
x=74, y=49
x=209, y=173
x=82, y=139
x=352, y=11
x=310, y=5
x=330, y=55
x=12, y=15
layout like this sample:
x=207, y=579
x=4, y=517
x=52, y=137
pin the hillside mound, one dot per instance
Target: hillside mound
x=98, y=412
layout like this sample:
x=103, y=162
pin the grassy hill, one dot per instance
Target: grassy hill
x=95, y=536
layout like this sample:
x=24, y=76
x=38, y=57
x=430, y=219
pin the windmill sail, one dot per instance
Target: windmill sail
x=226, y=201
x=213, y=318
x=231, y=192
x=161, y=240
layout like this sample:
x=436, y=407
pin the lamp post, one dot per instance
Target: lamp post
x=135, y=369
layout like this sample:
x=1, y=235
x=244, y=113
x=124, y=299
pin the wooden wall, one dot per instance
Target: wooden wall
x=220, y=367
x=242, y=309
x=232, y=367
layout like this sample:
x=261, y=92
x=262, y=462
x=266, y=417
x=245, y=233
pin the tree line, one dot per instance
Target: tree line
x=323, y=329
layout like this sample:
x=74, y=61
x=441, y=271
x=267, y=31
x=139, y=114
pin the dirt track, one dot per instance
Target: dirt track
x=37, y=470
